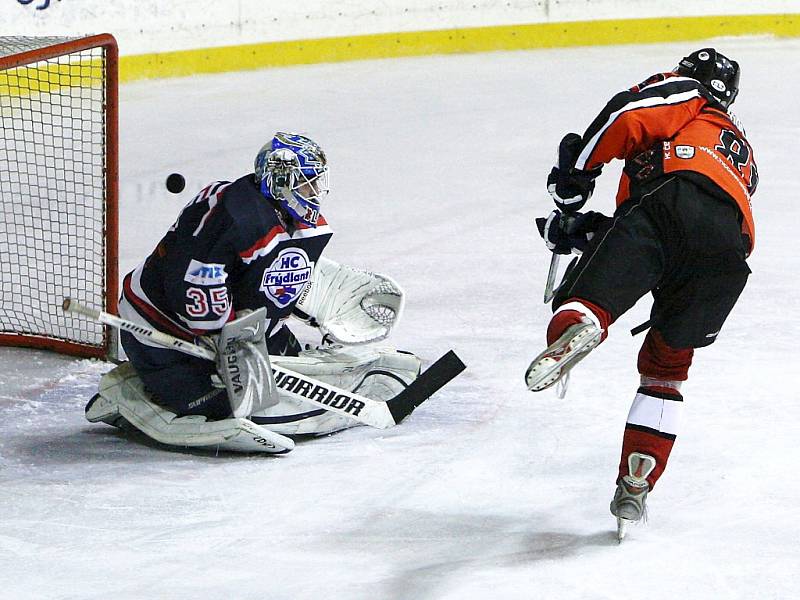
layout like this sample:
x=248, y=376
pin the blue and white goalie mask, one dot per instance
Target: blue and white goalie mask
x=293, y=170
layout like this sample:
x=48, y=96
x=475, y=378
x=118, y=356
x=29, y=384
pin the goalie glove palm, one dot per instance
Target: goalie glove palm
x=351, y=306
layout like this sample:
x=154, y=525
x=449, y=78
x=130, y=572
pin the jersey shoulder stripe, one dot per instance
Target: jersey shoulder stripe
x=660, y=85
x=278, y=234
x=264, y=245
x=658, y=88
x=309, y=232
x=635, y=102
x=211, y=195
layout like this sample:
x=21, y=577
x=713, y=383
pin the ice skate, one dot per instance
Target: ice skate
x=630, y=498
x=556, y=361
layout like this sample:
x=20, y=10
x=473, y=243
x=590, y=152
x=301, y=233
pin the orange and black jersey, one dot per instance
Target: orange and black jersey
x=671, y=124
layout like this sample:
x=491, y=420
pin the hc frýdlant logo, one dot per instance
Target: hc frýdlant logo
x=42, y=6
x=286, y=276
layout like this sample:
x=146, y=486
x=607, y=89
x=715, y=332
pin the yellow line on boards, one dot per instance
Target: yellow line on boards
x=453, y=41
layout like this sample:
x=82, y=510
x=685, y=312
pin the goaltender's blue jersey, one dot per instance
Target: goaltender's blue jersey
x=229, y=250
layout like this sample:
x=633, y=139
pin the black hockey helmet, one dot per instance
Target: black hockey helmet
x=718, y=74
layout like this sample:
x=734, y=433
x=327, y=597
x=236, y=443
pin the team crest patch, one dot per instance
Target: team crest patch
x=684, y=151
x=286, y=276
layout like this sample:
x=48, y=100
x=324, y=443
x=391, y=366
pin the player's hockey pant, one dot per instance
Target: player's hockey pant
x=678, y=242
x=182, y=383
x=685, y=246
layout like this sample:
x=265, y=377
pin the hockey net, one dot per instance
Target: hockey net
x=58, y=190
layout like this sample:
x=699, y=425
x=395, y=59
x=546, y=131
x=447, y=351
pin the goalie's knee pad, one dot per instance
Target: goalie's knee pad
x=354, y=367
x=389, y=375
x=378, y=373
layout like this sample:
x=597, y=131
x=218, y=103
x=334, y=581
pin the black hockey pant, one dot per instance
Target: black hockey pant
x=678, y=242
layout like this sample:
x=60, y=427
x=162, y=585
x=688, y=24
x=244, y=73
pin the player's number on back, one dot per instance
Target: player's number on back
x=736, y=150
x=203, y=302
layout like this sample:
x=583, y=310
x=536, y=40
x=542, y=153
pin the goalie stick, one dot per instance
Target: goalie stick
x=374, y=413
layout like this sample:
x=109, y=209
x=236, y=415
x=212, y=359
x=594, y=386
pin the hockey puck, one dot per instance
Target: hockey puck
x=176, y=183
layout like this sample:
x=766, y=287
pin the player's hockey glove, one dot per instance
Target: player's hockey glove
x=565, y=233
x=570, y=187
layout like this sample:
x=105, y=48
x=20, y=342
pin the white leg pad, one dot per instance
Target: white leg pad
x=378, y=373
x=122, y=394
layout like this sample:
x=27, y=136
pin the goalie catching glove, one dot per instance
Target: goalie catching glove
x=350, y=306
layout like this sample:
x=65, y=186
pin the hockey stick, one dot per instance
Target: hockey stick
x=549, y=292
x=302, y=387
x=550, y=287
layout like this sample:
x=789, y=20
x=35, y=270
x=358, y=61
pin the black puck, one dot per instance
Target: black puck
x=176, y=183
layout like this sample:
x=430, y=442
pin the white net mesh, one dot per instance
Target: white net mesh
x=52, y=190
x=383, y=314
x=20, y=44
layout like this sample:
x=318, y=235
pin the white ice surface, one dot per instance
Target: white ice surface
x=487, y=491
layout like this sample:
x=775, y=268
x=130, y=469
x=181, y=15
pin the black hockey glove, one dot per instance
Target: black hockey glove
x=565, y=233
x=570, y=187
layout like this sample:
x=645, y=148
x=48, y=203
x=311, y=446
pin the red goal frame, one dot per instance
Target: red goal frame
x=111, y=233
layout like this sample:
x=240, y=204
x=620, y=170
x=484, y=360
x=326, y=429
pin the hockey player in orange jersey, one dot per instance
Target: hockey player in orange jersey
x=682, y=230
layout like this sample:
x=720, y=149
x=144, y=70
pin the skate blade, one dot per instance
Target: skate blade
x=544, y=372
x=622, y=528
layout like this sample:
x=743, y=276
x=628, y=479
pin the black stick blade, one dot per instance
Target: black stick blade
x=426, y=385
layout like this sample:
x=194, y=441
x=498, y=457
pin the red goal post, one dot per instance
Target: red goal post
x=58, y=190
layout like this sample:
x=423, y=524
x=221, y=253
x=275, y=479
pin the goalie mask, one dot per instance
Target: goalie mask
x=293, y=170
x=718, y=74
